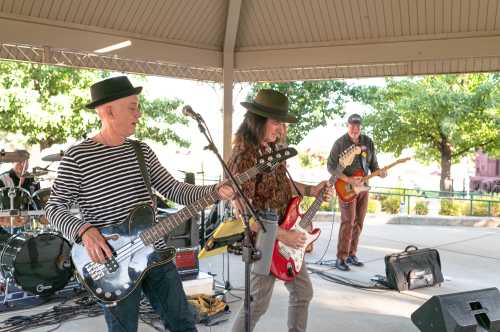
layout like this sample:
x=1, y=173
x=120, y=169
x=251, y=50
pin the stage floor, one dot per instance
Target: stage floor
x=470, y=258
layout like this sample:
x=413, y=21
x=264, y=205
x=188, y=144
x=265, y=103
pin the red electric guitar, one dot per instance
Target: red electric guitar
x=288, y=261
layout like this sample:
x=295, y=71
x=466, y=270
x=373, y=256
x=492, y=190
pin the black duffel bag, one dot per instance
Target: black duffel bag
x=413, y=268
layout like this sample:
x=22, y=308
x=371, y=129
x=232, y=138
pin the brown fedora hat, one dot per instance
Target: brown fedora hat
x=110, y=89
x=270, y=104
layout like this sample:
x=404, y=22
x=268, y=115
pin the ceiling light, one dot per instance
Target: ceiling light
x=114, y=47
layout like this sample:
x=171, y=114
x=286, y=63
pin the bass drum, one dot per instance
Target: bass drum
x=38, y=263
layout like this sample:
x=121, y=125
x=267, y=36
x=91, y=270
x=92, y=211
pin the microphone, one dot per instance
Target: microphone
x=188, y=111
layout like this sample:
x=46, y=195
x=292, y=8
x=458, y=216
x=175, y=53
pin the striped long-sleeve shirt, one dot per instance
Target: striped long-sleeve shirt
x=106, y=183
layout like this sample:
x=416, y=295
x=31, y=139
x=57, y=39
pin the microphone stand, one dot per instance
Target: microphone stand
x=249, y=252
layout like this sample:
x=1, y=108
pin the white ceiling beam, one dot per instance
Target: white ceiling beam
x=38, y=34
x=369, y=53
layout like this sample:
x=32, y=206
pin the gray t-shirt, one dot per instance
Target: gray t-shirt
x=367, y=160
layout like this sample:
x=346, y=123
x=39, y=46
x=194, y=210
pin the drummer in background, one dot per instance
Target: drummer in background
x=13, y=177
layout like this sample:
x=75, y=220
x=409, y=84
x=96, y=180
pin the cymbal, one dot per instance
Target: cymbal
x=14, y=157
x=35, y=173
x=54, y=157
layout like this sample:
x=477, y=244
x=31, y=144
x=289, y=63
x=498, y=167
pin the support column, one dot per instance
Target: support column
x=233, y=17
x=228, y=107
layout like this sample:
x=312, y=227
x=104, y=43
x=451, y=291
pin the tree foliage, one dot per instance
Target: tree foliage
x=442, y=118
x=46, y=104
x=312, y=102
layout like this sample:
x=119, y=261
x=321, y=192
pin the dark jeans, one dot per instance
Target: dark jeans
x=352, y=216
x=163, y=288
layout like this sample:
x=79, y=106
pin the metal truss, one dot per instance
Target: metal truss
x=78, y=59
x=407, y=68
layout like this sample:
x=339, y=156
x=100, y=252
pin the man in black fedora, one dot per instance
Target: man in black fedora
x=102, y=174
x=260, y=132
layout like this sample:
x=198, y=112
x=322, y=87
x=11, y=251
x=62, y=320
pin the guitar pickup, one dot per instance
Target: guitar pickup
x=111, y=264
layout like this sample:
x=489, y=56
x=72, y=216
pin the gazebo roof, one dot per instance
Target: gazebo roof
x=269, y=40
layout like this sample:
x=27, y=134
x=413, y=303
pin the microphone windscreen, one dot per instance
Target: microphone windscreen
x=265, y=243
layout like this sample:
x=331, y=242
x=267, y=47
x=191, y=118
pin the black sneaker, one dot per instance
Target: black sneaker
x=341, y=265
x=353, y=260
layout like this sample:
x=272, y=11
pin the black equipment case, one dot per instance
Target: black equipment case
x=413, y=268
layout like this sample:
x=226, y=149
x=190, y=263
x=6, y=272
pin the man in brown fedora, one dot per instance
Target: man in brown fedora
x=259, y=133
x=103, y=175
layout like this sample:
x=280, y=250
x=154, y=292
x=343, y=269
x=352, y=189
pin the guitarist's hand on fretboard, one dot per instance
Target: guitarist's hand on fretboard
x=225, y=191
x=327, y=195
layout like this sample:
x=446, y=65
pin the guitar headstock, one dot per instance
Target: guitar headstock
x=268, y=162
x=347, y=156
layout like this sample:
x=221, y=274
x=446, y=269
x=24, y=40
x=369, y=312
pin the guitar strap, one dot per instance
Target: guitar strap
x=364, y=148
x=293, y=183
x=144, y=172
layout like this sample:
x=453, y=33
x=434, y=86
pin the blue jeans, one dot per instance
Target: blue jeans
x=163, y=288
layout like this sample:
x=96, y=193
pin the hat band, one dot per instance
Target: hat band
x=278, y=111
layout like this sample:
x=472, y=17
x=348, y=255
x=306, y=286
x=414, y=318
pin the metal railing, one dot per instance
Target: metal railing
x=409, y=196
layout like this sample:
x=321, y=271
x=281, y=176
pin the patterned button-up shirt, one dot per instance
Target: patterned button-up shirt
x=266, y=191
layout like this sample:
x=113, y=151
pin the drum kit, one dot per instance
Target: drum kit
x=33, y=257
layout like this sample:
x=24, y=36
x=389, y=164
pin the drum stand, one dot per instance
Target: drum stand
x=6, y=291
x=12, y=212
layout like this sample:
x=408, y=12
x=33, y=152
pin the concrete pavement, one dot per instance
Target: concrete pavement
x=470, y=258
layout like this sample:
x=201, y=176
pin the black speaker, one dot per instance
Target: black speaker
x=472, y=311
x=184, y=235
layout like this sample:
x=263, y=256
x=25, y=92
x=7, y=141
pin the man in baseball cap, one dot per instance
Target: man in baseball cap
x=352, y=213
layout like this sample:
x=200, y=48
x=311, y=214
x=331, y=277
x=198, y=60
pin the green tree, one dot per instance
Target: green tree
x=313, y=102
x=46, y=104
x=443, y=118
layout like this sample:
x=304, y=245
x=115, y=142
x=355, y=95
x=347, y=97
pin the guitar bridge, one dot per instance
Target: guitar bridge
x=95, y=270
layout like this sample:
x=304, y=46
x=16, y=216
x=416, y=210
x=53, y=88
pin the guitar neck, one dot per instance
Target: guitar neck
x=314, y=208
x=167, y=225
x=377, y=172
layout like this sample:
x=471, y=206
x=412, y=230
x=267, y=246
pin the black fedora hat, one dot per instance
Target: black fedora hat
x=111, y=89
x=270, y=104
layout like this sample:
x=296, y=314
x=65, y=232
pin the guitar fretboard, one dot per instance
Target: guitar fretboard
x=313, y=209
x=167, y=225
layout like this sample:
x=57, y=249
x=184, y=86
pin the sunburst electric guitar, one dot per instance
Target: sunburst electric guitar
x=347, y=192
x=288, y=261
x=132, y=241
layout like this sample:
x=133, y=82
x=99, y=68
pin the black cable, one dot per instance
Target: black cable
x=320, y=261
x=375, y=286
x=82, y=307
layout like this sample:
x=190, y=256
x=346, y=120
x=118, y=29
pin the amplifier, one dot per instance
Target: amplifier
x=187, y=262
